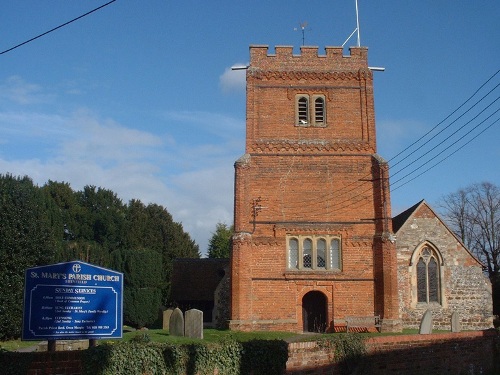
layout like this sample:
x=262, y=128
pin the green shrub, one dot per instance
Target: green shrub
x=258, y=357
x=348, y=348
x=263, y=357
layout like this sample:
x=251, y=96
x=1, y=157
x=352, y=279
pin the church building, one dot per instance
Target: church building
x=314, y=241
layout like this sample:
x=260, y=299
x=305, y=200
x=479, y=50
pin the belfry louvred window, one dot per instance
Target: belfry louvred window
x=319, y=110
x=310, y=111
x=303, y=110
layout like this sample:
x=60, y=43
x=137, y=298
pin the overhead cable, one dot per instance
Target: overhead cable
x=56, y=28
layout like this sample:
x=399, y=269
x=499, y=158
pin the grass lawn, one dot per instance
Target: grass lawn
x=209, y=335
x=159, y=335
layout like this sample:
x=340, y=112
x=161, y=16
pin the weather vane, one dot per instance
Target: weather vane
x=302, y=27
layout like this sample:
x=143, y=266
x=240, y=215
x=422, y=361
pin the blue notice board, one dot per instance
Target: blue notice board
x=73, y=300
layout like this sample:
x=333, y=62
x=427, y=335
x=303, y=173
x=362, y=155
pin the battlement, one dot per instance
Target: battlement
x=309, y=58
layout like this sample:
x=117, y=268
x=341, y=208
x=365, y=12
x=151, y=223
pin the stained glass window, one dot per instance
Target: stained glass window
x=427, y=277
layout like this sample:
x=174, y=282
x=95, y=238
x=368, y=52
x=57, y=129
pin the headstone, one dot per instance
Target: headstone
x=426, y=323
x=166, y=318
x=194, y=324
x=455, y=322
x=176, y=323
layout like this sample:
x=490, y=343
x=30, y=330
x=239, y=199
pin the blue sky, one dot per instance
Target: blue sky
x=139, y=97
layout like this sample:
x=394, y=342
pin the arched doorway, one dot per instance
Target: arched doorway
x=314, y=312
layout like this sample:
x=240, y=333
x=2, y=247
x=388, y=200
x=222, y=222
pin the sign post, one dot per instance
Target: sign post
x=72, y=301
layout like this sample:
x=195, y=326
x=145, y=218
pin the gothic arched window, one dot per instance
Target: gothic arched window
x=428, y=277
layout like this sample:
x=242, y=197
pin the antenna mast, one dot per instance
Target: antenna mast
x=357, y=24
x=356, y=30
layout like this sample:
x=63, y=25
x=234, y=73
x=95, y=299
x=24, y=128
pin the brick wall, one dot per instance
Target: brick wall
x=453, y=353
x=472, y=352
x=310, y=180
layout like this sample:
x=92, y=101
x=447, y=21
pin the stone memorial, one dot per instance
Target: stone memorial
x=176, y=323
x=194, y=324
x=455, y=322
x=426, y=323
x=166, y=318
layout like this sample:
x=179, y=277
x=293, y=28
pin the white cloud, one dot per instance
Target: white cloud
x=17, y=90
x=194, y=181
x=218, y=124
x=233, y=80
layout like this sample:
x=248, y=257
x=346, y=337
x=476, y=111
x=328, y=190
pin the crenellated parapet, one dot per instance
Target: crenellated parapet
x=309, y=59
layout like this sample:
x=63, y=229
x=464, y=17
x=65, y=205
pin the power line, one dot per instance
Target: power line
x=450, y=124
x=447, y=117
x=451, y=135
x=454, y=152
x=343, y=200
x=56, y=28
x=343, y=197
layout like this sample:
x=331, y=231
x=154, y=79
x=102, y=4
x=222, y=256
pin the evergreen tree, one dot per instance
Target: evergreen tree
x=143, y=280
x=152, y=227
x=27, y=240
x=220, y=243
x=103, y=215
x=56, y=224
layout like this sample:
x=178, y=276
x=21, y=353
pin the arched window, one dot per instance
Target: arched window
x=335, y=253
x=293, y=253
x=321, y=253
x=303, y=111
x=307, y=259
x=314, y=253
x=428, y=279
x=310, y=110
x=319, y=110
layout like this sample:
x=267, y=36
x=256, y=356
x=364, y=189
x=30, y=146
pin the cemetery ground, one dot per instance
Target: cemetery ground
x=209, y=335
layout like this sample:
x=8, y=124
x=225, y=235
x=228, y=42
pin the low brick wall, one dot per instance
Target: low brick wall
x=445, y=353
x=471, y=352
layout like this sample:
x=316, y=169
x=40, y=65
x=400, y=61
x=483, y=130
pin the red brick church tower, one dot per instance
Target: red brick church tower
x=312, y=202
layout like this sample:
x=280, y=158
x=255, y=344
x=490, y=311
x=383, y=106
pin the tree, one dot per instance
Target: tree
x=104, y=215
x=152, y=227
x=143, y=281
x=220, y=243
x=474, y=215
x=56, y=224
x=27, y=240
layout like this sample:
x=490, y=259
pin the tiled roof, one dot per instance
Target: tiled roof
x=399, y=220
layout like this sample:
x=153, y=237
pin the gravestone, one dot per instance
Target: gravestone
x=455, y=322
x=426, y=323
x=176, y=323
x=194, y=324
x=166, y=318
